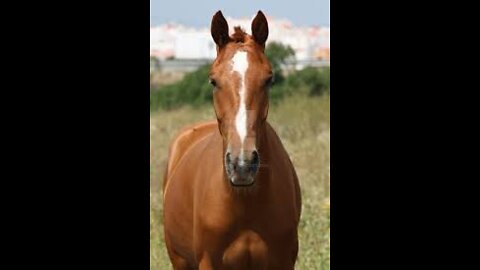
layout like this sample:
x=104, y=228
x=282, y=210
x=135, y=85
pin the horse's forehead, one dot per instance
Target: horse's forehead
x=240, y=61
x=241, y=57
x=236, y=58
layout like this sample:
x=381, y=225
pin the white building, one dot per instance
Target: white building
x=181, y=42
x=162, y=41
x=195, y=45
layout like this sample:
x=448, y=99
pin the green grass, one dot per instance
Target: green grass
x=303, y=124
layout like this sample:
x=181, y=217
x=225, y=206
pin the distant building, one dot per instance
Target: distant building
x=181, y=42
x=195, y=45
x=162, y=41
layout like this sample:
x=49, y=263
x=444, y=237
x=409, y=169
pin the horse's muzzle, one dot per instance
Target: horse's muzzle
x=241, y=170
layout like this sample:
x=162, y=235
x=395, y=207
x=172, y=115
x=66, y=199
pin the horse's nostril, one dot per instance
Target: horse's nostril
x=255, y=157
x=255, y=161
x=242, y=167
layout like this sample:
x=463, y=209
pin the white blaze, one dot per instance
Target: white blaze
x=240, y=65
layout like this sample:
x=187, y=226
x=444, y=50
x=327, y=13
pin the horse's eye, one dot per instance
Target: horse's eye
x=269, y=81
x=212, y=82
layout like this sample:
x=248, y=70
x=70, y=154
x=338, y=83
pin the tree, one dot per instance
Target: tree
x=278, y=54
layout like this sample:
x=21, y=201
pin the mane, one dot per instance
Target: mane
x=239, y=35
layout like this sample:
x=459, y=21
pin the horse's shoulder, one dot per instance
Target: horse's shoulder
x=186, y=138
x=194, y=131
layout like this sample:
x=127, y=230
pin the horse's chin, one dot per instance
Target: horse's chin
x=236, y=181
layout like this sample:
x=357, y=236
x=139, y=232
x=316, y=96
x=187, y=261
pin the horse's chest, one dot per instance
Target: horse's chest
x=238, y=239
x=220, y=218
x=248, y=250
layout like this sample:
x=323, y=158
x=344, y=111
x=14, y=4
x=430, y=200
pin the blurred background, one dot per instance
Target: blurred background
x=298, y=47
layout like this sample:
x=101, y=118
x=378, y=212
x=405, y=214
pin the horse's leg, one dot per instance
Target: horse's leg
x=206, y=263
x=179, y=263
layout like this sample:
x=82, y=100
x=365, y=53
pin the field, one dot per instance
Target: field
x=303, y=124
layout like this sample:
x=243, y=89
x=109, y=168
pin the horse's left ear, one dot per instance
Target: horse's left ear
x=260, y=28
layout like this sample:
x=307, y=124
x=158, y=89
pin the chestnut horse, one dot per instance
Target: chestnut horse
x=231, y=194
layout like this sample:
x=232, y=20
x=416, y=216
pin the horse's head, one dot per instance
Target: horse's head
x=241, y=76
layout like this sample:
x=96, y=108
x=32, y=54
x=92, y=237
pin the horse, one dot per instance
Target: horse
x=231, y=196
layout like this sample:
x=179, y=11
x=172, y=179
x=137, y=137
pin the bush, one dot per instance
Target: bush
x=308, y=81
x=317, y=81
x=193, y=89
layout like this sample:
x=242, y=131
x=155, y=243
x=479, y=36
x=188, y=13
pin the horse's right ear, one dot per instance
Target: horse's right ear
x=219, y=29
x=260, y=28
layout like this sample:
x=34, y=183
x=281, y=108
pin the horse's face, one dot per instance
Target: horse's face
x=241, y=76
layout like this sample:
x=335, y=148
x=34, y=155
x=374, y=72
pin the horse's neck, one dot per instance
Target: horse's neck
x=264, y=148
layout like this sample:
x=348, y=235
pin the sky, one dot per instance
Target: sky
x=199, y=13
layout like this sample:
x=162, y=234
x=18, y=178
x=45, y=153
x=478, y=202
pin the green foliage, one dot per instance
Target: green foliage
x=317, y=80
x=193, y=89
x=278, y=54
x=309, y=81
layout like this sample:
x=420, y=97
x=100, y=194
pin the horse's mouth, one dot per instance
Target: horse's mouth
x=236, y=181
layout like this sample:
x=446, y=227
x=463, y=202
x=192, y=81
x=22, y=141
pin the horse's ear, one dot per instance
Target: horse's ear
x=219, y=29
x=260, y=29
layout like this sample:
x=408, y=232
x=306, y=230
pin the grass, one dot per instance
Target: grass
x=303, y=124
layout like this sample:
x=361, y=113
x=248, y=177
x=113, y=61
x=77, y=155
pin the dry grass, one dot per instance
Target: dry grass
x=303, y=124
x=164, y=78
